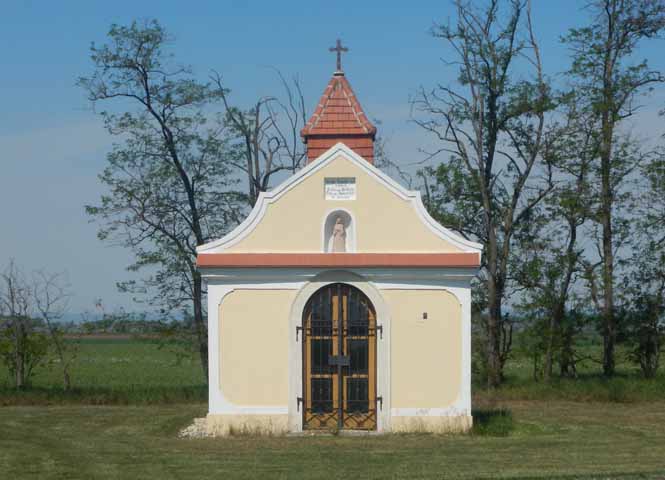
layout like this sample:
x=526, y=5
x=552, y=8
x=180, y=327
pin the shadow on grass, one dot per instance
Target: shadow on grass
x=127, y=395
x=497, y=422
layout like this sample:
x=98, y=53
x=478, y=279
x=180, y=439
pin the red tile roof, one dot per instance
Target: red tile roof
x=338, y=117
x=338, y=112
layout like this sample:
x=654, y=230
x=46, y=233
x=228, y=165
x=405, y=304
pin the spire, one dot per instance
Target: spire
x=338, y=117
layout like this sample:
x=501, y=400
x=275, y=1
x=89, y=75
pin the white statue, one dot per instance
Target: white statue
x=339, y=236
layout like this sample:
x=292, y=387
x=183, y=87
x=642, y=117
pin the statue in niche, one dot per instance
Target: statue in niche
x=339, y=236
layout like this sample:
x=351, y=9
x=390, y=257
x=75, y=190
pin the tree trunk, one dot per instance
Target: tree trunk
x=567, y=360
x=607, y=132
x=199, y=324
x=66, y=381
x=19, y=354
x=609, y=333
x=609, y=320
x=199, y=321
x=554, y=329
x=494, y=297
x=549, y=350
x=494, y=367
x=567, y=366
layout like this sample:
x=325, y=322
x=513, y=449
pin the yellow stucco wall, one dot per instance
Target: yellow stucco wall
x=254, y=346
x=384, y=221
x=426, y=354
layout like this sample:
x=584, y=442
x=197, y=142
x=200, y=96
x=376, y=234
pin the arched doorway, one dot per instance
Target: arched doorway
x=339, y=360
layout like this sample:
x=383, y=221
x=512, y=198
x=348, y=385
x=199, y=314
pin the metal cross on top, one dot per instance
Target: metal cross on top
x=339, y=49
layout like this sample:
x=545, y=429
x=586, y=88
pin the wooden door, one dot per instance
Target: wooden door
x=339, y=360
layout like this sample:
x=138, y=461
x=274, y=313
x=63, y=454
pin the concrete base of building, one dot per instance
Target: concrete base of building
x=227, y=425
x=272, y=425
x=443, y=424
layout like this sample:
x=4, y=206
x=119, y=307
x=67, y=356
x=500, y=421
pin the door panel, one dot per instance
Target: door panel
x=339, y=360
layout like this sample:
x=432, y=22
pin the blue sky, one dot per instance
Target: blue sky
x=52, y=146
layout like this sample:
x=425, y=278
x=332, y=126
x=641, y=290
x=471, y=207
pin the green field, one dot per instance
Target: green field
x=131, y=398
x=144, y=371
x=116, y=371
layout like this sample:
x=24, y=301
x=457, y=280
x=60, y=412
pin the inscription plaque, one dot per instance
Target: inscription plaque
x=340, y=188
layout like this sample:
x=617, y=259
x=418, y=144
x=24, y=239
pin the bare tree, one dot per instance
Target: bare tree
x=51, y=296
x=384, y=162
x=493, y=130
x=22, y=348
x=267, y=135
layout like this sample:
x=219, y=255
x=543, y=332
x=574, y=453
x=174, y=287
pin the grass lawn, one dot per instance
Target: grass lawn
x=550, y=439
x=131, y=397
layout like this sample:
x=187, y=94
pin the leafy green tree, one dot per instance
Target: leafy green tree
x=644, y=286
x=551, y=253
x=492, y=128
x=530, y=342
x=646, y=324
x=608, y=82
x=652, y=203
x=644, y=312
x=169, y=186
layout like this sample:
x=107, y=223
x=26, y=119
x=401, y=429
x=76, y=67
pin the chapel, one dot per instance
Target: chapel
x=339, y=303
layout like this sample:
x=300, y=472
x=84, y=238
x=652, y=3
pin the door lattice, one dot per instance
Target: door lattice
x=339, y=360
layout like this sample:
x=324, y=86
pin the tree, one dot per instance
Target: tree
x=551, y=253
x=22, y=347
x=50, y=292
x=610, y=84
x=168, y=180
x=645, y=325
x=493, y=129
x=643, y=312
x=652, y=213
x=644, y=285
x=267, y=136
x=384, y=162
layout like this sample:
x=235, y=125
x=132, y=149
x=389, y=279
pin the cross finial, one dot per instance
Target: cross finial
x=339, y=49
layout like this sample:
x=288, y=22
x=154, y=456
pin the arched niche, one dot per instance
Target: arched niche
x=329, y=227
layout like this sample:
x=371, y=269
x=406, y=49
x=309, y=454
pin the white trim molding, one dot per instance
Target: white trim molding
x=306, y=281
x=266, y=198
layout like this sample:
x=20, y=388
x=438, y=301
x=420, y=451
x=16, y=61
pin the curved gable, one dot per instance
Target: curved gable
x=386, y=217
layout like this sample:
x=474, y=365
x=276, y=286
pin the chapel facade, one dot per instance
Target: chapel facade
x=339, y=303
